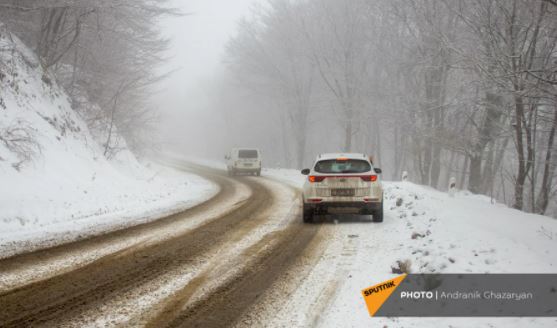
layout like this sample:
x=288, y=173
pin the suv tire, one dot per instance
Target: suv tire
x=378, y=214
x=307, y=214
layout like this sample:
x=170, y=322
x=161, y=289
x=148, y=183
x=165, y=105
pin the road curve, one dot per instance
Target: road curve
x=61, y=298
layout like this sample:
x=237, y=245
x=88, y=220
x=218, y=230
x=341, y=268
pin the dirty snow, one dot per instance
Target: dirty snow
x=221, y=264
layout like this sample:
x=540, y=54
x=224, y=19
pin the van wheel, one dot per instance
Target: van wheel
x=307, y=214
x=378, y=214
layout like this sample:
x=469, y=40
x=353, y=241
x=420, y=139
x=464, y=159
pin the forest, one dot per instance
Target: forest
x=440, y=89
x=436, y=88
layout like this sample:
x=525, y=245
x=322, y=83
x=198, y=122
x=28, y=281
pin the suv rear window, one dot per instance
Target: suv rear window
x=247, y=153
x=344, y=166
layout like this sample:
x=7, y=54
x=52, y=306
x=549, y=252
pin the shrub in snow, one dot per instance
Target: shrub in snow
x=417, y=235
x=20, y=140
x=401, y=267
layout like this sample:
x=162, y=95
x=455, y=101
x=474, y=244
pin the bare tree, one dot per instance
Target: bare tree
x=337, y=34
x=92, y=45
x=269, y=57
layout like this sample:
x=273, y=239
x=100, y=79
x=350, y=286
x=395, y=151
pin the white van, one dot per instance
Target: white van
x=243, y=160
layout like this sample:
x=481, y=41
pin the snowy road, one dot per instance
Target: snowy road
x=243, y=258
x=173, y=272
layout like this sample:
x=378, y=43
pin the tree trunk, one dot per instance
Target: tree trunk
x=487, y=170
x=377, y=151
x=485, y=136
x=548, y=168
x=464, y=170
x=435, y=167
x=475, y=175
x=519, y=142
x=449, y=166
x=397, y=153
x=51, y=28
x=348, y=136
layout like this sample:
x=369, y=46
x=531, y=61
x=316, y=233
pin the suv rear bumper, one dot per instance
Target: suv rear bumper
x=361, y=207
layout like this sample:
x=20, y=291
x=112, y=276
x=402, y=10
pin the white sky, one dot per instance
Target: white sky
x=198, y=42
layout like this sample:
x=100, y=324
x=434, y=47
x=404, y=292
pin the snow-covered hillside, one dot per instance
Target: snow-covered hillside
x=55, y=183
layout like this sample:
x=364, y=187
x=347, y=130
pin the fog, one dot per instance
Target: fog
x=421, y=87
x=196, y=54
x=205, y=110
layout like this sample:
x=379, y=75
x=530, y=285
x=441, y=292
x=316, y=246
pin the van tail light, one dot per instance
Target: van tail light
x=313, y=178
x=371, y=178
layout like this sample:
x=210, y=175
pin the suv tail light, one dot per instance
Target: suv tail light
x=313, y=178
x=371, y=178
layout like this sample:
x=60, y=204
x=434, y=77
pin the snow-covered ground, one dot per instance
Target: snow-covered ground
x=435, y=233
x=56, y=185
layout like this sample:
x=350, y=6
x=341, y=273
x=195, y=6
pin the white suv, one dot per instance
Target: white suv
x=243, y=160
x=347, y=181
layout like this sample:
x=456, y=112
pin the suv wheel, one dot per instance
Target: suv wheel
x=307, y=214
x=378, y=214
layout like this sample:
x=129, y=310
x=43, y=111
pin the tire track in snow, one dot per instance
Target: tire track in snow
x=49, y=299
x=207, y=260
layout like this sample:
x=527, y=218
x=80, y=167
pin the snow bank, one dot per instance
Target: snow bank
x=55, y=183
x=433, y=232
x=464, y=233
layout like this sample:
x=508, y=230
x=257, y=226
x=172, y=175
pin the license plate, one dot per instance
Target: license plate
x=342, y=192
x=247, y=164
